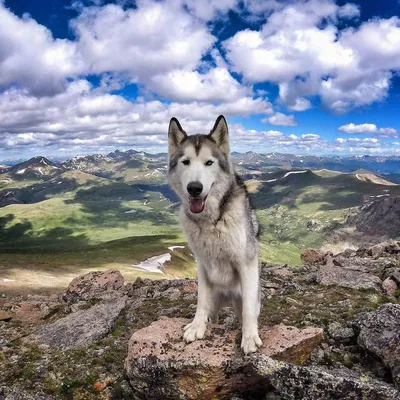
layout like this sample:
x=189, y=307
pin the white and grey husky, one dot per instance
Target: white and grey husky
x=221, y=228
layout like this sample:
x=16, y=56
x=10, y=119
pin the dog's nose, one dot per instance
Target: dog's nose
x=194, y=188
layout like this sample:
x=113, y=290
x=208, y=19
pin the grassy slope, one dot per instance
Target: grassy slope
x=91, y=222
x=286, y=206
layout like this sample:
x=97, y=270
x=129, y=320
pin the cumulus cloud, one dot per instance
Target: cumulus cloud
x=81, y=117
x=368, y=128
x=171, y=51
x=32, y=58
x=215, y=85
x=153, y=38
x=280, y=119
x=301, y=49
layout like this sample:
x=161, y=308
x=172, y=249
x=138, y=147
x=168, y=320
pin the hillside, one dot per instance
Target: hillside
x=302, y=208
x=121, y=201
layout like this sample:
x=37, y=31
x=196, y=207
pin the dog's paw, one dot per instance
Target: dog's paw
x=250, y=343
x=194, y=331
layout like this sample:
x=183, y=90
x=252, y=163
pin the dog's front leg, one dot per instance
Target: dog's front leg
x=196, y=329
x=249, y=279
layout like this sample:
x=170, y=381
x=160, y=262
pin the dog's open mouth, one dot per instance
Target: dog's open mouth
x=196, y=204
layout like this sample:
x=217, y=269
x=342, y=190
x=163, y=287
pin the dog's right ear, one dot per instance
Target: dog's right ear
x=175, y=135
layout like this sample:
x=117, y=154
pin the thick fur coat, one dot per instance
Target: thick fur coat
x=221, y=228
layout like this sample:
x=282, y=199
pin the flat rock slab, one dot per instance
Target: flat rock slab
x=161, y=343
x=379, y=334
x=331, y=274
x=163, y=339
x=160, y=366
x=83, y=327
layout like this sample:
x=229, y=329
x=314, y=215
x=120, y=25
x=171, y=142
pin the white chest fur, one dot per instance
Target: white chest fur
x=219, y=249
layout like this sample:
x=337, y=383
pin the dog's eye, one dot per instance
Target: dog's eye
x=208, y=163
x=186, y=162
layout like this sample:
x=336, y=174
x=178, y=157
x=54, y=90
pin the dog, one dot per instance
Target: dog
x=221, y=228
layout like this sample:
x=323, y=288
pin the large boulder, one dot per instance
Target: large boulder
x=83, y=327
x=96, y=284
x=379, y=334
x=204, y=361
x=312, y=256
x=160, y=366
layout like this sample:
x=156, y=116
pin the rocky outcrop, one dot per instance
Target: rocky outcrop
x=379, y=218
x=379, y=333
x=160, y=366
x=366, y=268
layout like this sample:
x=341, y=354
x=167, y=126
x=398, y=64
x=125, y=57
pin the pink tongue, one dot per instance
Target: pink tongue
x=196, y=205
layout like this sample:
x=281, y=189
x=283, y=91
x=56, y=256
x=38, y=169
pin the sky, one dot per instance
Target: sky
x=294, y=76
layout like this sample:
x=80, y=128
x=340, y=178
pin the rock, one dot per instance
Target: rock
x=379, y=218
x=160, y=366
x=339, y=332
x=33, y=311
x=81, y=328
x=379, y=334
x=313, y=225
x=4, y=316
x=161, y=343
x=312, y=257
x=292, y=382
x=389, y=286
x=94, y=285
x=333, y=273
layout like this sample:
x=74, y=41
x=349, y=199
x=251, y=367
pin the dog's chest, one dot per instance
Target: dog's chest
x=220, y=244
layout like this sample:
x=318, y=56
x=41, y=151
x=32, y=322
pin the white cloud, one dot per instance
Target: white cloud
x=273, y=134
x=310, y=137
x=214, y=86
x=366, y=143
x=301, y=49
x=32, y=58
x=83, y=117
x=368, y=128
x=280, y=119
x=153, y=38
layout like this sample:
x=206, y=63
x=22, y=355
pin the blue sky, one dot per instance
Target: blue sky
x=301, y=76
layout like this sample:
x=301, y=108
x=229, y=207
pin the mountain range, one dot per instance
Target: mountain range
x=117, y=210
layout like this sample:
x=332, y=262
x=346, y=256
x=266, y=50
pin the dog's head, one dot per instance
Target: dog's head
x=198, y=164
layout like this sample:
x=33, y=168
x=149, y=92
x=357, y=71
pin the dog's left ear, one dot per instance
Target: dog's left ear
x=220, y=134
x=175, y=135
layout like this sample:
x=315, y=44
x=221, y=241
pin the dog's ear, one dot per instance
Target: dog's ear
x=175, y=135
x=220, y=134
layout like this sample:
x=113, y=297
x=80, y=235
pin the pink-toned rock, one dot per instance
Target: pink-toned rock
x=389, y=286
x=93, y=284
x=160, y=344
x=312, y=257
x=27, y=311
x=4, y=316
x=191, y=287
x=283, y=272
